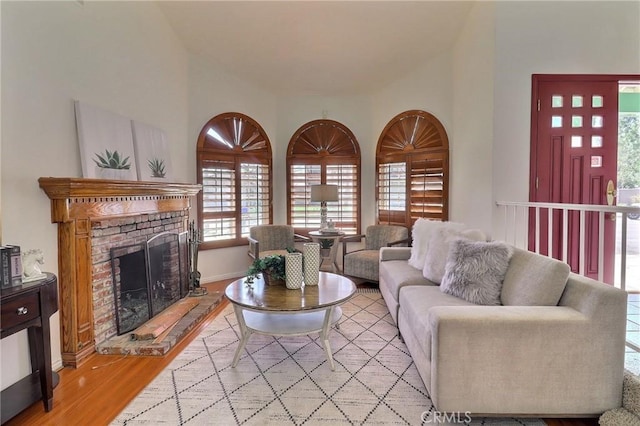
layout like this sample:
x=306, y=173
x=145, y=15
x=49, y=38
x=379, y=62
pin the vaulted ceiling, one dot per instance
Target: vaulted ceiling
x=317, y=47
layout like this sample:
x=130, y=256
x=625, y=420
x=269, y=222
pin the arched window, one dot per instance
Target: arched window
x=412, y=159
x=234, y=168
x=323, y=152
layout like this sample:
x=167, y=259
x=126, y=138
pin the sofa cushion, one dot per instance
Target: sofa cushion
x=397, y=274
x=421, y=234
x=438, y=250
x=533, y=280
x=475, y=270
x=416, y=301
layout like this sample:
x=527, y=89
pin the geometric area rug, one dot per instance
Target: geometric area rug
x=287, y=380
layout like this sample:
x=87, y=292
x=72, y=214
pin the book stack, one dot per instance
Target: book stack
x=10, y=266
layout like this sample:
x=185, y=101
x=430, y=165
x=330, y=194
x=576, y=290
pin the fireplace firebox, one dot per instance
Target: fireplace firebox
x=148, y=278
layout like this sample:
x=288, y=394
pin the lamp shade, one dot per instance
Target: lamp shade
x=320, y=193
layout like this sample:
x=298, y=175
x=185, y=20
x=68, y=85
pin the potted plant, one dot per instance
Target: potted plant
x=272, y=268
x=325, y=246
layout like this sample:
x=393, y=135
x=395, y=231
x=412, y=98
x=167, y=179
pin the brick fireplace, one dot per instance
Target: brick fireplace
x=93, y=216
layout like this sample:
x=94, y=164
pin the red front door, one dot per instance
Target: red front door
x=574, y=156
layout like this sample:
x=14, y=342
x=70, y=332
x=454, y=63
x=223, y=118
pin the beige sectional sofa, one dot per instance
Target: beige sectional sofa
x=553, y=346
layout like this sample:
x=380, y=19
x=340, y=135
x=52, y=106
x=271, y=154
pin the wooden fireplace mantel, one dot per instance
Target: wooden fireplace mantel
x=75, y=203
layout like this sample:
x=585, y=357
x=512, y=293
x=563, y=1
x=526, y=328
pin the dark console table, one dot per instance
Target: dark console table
x=29, y=307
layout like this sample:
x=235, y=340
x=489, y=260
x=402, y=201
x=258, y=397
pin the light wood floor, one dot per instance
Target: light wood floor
x=98, y=391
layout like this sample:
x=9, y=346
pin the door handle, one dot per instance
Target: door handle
x=611, y=192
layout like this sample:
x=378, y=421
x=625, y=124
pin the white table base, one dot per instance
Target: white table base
x=299, y=323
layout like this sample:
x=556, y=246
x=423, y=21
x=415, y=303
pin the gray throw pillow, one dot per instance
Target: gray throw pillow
x=475, y=270
x=439, y=247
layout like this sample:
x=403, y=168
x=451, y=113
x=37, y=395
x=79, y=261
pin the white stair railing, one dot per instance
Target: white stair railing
x=516, y=229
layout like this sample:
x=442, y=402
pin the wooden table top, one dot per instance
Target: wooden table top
x=332, y=289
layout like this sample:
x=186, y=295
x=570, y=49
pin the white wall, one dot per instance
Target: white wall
x=123, y=57
x=549, y=38
x=471, y=141
x=213, y=91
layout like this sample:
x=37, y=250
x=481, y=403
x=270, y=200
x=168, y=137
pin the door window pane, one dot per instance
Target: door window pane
x=576, y=141
x=556, y=121
x=556, y=101
x=576, y=121
x=576, y=101
x=596, y=101
x=596, y=141
x=597, y=121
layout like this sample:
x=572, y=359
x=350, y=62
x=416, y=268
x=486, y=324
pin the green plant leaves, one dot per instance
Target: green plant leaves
x=157, y=167
x=112, y=160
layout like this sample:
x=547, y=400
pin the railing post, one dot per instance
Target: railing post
x=623, y=253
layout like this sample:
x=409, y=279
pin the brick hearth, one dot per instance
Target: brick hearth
x=124, y=345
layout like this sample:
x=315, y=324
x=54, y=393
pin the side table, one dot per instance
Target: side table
x=29, y=307
x=334, y=237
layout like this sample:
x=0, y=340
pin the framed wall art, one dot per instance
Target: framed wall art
x=153, y=161
x=106, y=143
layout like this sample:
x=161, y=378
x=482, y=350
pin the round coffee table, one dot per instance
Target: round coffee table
x=275, y=310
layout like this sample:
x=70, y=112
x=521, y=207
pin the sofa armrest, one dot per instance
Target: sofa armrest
x=395, y=253
x=552, y=355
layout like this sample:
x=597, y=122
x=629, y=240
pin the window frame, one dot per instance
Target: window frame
x=313, y=144
x=421, y=138
x=248, y=150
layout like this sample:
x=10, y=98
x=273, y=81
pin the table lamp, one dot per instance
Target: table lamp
x=322, y=194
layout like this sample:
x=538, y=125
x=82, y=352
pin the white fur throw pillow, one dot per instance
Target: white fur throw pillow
x=423, y=230
x=475, y=271
x=438, y=250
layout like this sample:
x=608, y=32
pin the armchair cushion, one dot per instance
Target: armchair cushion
x=363, y=263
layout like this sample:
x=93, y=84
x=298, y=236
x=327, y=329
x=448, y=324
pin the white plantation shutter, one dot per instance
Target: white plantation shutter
x=255, y=195
x=392, y=193
x=304, y=213
x=218, y=200
x=344, y=212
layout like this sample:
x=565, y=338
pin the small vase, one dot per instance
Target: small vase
x=293, y=268
x=311, y=263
